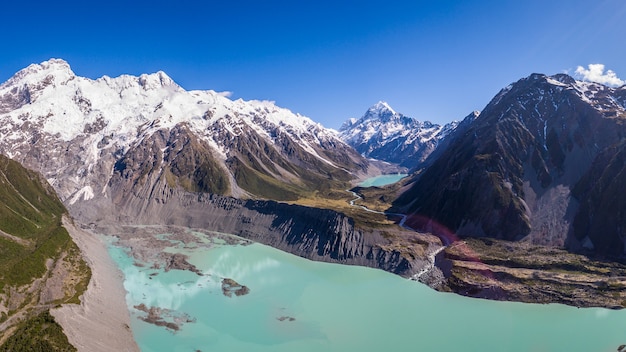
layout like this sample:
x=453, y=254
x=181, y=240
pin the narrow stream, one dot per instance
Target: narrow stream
x=388, y=179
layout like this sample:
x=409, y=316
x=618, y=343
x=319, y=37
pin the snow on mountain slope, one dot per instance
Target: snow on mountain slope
x=382, y=133
x=73, y=129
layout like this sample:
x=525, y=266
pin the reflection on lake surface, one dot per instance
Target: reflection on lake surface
x=298, y=305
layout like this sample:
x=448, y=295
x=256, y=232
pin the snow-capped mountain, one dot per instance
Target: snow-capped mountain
x=87, y=136
x=543, y=162
x=383, y=134
x=144, y=151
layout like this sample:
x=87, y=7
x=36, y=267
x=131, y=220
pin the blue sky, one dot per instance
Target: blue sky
x=329, y=60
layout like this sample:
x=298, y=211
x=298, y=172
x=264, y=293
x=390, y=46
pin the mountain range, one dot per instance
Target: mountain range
x=531, y=166
x=541, y=165
x=142, y=150
x=80, y=133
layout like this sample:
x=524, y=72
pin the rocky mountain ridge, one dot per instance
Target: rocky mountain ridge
x=511, y=174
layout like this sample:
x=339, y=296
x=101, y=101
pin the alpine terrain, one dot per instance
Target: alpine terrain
x=142, y=150
x=543, y=165
x=383, y=134
x=80, y=132
x=523, y=201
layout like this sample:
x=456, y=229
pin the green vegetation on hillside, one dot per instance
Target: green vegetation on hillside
x=28, y=208
x=30, y=221
x=260, y=184
x=37, y=252
x=38, y=334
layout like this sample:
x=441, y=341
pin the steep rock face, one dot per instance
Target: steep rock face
x=175, y=156
x=510, y=174
x=386, y=135
x=76, y=131
x=317, y=234
x=600, y=223
x=459, y=130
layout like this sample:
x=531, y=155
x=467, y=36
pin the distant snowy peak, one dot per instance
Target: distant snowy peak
x=381, y=112
x=384, y=134
x=381, y=109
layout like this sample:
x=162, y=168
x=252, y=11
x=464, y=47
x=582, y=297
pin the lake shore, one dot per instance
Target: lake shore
x=102, y=321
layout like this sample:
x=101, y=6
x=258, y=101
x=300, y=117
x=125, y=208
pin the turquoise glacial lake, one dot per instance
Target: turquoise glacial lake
x=382, y=180
x=299, y=305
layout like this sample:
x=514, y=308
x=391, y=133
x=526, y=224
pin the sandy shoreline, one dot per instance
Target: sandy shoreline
x=102, y=321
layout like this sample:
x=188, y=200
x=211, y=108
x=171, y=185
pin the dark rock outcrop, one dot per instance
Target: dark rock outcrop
x=178, y=261
x=231, y=287
x=600, y=223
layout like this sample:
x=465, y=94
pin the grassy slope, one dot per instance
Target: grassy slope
x=38, y=334
x=32, y=236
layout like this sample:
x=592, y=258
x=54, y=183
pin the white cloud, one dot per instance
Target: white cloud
x=225, y=94
x=596, y=73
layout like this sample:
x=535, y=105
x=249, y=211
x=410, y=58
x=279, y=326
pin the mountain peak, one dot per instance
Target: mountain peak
x=52, y=65
x=156, y=80
x=53, y=71
x=563, y=78
x=380, y=108
x=393, y=137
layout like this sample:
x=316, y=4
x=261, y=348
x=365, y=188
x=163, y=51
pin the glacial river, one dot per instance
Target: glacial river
x=298, y=305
